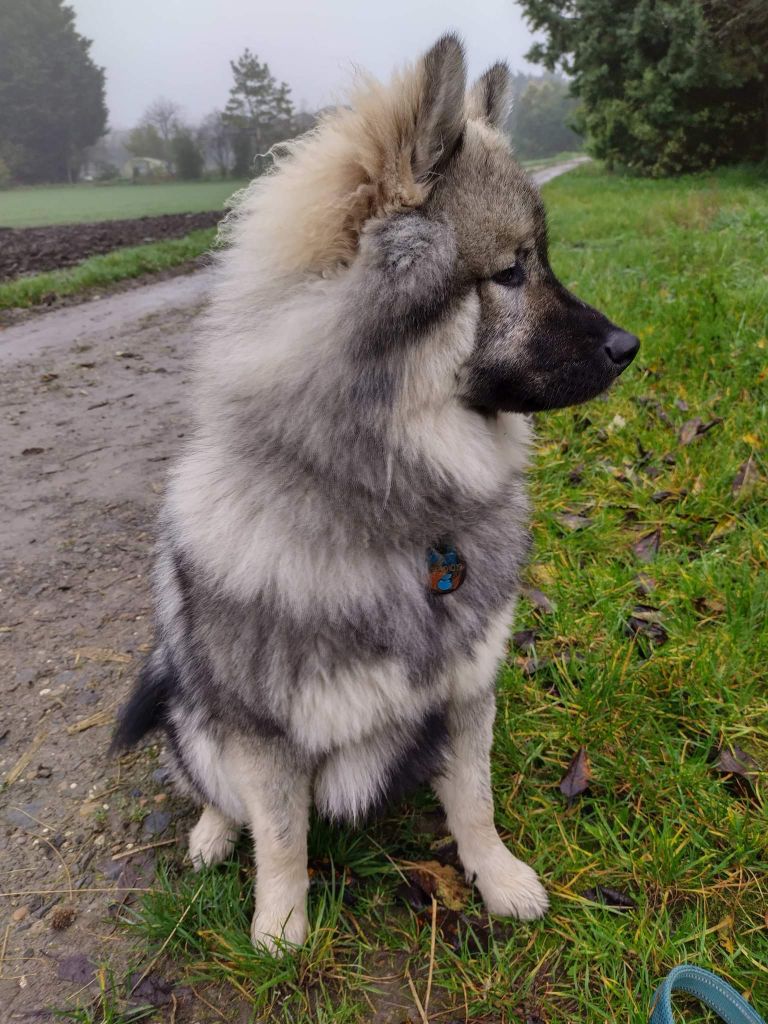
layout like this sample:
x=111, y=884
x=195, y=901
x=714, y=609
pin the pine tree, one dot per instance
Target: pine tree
x=259, y=112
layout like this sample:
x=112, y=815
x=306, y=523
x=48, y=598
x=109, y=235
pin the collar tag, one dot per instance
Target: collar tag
x=446, y=569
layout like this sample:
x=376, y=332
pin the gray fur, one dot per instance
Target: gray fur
x=344, y=426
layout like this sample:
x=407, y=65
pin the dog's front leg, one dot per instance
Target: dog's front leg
x=277, y=797
x=507, y=885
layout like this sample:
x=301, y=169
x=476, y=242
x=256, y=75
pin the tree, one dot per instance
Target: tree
x=145, y=140
x=259, y=112
x=665, y=85
x=154, y=134
x=539, y=124
x=51, y=93
x=216, y=140
x=188, y=160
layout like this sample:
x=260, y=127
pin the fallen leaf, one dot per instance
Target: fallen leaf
x=723, y=527
x=709, y=607
x=645, y=584
x=442, y=881
x=610, y=897
x=689, y=430
x=539, y=600
x=647, y=547
x=745, y=479
x=645, y=620
x=573, y=521
x=578, y=776
x=735, y=761
x=524, y=640
x=681, y=404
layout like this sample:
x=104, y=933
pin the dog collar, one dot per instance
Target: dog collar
x=446, y=569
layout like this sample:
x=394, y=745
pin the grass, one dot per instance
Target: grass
x=72, y=204
x=683, y=264
x=101, y=271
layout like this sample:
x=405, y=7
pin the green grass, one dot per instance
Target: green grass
x=682, y=263
x=72, y=204
x=102, y=271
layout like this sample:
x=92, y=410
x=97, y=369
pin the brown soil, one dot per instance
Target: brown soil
x=32, y=250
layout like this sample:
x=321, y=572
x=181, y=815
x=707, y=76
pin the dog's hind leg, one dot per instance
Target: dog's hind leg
x=275, y=794
x=213, y=838
x=507, y=885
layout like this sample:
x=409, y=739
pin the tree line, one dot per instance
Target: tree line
x=656, y=86
x=664, y=86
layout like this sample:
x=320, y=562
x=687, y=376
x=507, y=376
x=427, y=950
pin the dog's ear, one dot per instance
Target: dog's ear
x=440, y=114
x=490, y=97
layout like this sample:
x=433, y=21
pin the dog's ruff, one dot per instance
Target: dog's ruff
x=363, y=375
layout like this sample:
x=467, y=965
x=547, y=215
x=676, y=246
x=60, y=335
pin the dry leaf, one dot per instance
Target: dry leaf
x=539, y=600
x=573, y=521
x=647, y=547
x=689, y=430
x=645, y=620
x=610, y=897
x=578, y=776
x=746, y=477
x=442, y=881
x=735, y=761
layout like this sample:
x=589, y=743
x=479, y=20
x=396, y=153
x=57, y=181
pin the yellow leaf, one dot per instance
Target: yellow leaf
x=723, y=527
x=751, y=439
x=441, y=881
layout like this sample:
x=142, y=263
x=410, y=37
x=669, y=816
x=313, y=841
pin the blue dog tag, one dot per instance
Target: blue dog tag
x=446, y=569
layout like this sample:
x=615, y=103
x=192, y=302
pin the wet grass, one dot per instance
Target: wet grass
x=75, y=204
x=654, y=694
x=99, y=272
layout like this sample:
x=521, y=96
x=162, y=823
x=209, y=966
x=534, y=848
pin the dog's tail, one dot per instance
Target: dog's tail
x=148, y=703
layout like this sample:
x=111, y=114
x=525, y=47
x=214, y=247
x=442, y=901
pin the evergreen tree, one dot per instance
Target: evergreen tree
x=665, y=85
x=51, y=93
x=259, y=112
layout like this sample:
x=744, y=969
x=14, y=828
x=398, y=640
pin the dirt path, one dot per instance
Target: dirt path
x=92, y=410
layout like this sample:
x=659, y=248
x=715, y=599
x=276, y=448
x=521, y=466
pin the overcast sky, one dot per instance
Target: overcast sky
x=181, y=49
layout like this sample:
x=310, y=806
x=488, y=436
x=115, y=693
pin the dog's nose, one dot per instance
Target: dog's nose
x=621, y=347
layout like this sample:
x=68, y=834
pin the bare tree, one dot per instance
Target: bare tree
x=164, y=115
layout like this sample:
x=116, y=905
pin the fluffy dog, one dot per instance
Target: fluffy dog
x=343, y=536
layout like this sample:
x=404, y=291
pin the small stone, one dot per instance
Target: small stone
x=156, y=822
x=19, y=914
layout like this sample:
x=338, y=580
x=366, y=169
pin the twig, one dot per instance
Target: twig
x=25, y=758
x=176, y=927
x=142, y=849
x=431, y=955
x=5, y=946
x=415, y=994
x=104, y=717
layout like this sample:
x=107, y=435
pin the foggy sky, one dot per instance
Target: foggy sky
x=181, y=49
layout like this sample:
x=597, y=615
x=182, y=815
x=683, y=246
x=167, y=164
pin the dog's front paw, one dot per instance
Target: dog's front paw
x=510, y=888
x=273, y=931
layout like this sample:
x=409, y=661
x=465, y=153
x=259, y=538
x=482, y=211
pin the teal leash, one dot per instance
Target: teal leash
x=715, y=993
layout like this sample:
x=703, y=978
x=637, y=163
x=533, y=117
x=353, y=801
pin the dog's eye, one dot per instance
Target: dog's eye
x=511, y=277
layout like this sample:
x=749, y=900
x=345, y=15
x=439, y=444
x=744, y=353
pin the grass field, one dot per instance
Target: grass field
x=71, y=204
x=652, y=547
x=99, y=272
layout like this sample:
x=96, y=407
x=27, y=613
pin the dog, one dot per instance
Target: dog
x=343, y=536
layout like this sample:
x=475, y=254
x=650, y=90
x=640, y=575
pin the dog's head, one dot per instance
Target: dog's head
x=417, y=182
x=537, y=345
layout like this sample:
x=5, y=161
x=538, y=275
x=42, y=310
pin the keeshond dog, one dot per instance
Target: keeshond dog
x=343, y=536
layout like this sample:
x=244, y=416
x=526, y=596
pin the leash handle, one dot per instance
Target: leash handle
x=715, y=993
